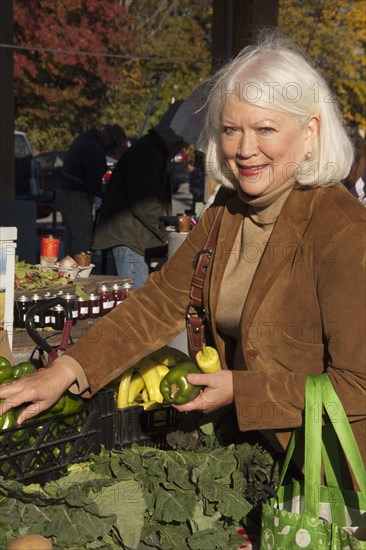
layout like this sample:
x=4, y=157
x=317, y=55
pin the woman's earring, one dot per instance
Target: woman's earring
x=308, y=155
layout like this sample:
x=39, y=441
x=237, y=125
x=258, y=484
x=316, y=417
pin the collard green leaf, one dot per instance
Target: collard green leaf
x=213, y=490
x=150, y=487
x=207, y=428
x=174, y=506
x=173, y=537
x=70, y=526
x=131, y=459
x=124, y=500
x=157, y=536
x=209, y=539
x=187, y=441
x=119, y=470
x=234, y=505
x=200, y=521
x=149, y=536
x=209, y=507
x=215, y=464
x=102, y=545
x=179, y=475
x=155, y=468
x=10, y=520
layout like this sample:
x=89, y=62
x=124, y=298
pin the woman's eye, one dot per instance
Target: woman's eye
x=266, y=130
x=228, y=130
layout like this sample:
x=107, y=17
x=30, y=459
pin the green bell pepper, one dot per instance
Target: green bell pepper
x=23, y=369
x=6, y=374
x=7, y=420
x=59, y=406
x=175, y=387
x=72, y=404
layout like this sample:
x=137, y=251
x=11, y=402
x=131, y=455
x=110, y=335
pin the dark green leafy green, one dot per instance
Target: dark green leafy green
x=141, y=498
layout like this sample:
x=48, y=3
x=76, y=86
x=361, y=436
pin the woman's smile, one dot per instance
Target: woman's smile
x=252, y=171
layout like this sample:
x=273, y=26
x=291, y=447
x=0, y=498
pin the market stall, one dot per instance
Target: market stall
x=75, y=289
x=142, y=475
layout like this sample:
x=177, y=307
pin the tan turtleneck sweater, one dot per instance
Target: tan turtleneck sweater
x=259, y=217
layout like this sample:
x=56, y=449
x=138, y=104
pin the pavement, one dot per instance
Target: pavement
x=182, y=200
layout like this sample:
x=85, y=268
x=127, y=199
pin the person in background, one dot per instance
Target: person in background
x=277, y=297
x=83, y=171
x=139, y=192
x=356, y=179
x=196, y=178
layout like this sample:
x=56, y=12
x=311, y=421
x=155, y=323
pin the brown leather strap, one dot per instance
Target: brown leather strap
x=195, y=311
x=195, y=335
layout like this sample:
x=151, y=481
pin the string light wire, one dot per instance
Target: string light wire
x=101, y=54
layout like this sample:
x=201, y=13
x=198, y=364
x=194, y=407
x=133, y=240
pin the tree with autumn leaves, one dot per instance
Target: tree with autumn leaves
x=58, y=94
x=80, y=63
x=333, y=34
x=90, y=62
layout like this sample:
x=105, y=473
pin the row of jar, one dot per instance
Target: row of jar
x=88, y=307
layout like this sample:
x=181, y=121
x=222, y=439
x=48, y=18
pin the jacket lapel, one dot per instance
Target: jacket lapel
x=281, y=247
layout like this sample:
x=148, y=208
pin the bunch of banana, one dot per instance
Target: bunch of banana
x=139, y=385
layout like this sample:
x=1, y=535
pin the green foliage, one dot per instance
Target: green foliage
x=334, y=36
x=164, y=48
x=140, y=498
x=30, y=277
x=173, y=57
x=144, y=42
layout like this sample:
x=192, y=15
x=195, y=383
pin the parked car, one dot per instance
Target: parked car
x=27, y=170
x=51, y=165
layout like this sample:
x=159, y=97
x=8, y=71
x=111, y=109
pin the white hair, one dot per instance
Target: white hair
x=274, y=75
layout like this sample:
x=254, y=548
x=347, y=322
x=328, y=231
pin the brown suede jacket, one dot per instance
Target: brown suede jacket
x=304, y=314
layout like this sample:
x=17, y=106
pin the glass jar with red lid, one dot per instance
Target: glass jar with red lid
x=83, y=308
x=94, y=306
x=106, y=299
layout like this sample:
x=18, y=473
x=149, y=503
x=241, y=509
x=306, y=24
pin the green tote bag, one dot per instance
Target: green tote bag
x=306, y=514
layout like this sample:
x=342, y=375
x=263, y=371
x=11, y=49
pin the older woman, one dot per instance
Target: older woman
x=285, y=289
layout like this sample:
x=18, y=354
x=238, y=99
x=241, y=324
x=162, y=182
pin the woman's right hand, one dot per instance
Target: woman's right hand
x=41, y=390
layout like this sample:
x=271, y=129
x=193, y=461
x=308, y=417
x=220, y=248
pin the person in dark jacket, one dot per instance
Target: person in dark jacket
x=139, y=192
x=84, y=167
x=356, y=179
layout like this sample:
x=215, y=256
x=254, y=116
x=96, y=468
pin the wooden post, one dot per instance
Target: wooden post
x=7, y=160
x=236, y=24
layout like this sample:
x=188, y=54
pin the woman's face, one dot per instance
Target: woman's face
x=263, y=148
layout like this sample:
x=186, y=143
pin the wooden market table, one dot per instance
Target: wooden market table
x=23, y=345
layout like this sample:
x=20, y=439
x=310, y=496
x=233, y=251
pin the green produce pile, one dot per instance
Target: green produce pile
x=143, y=498
x=14, y=438
x=66, y=404
x=31, y=277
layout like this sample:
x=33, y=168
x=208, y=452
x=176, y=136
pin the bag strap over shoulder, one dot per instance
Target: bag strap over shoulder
x=195, y=311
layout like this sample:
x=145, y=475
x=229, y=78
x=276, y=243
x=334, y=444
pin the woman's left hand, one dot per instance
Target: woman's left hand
x=217, y=393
